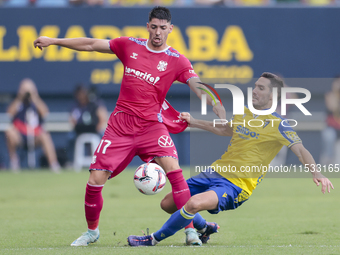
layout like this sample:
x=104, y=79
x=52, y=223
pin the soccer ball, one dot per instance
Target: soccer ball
x=149, y=178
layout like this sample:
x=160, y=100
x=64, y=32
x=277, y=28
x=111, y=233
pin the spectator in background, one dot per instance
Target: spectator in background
x=331, y=133
x=89, y=115
x=27, y=112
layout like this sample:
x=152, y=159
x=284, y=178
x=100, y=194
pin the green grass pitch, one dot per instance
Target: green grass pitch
x=42, y=213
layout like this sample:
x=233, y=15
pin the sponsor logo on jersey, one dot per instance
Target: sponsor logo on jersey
x=245, y=133
x=165, y=141
x=141, y=75
x=162, y=66
x=225, y=194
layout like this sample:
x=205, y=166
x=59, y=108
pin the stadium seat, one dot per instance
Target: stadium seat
x=80, y=158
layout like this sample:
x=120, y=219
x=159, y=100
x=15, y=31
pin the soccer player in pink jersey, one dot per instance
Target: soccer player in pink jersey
x=137, y=125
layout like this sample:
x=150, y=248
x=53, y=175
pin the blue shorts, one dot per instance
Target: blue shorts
x=229, y=195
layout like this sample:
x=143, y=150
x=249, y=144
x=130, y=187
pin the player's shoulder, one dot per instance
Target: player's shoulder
x=173, y=53
x=282, y=123
x=139, y=41
x=275, y=115
x=132, y=40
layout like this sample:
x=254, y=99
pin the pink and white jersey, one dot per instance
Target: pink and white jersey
x=148, y=76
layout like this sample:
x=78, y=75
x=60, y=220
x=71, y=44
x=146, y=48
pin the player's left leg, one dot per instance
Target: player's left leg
x=180, y=193
x=196, y=185
x=181, y=218
x=155, y=144
x=180, y=189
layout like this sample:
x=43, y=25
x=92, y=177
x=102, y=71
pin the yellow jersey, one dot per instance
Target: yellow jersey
x=255, y=142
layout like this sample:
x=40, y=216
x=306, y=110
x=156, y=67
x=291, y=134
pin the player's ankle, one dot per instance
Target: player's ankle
x=93, y=232
x=154, y=241
x=202, y=230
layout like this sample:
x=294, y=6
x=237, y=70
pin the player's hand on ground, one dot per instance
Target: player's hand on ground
x=219, y=110
x=43, y=41
x=187, y=117
x=325, y=183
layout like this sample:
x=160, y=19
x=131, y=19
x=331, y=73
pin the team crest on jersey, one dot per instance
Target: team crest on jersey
x=162, y=66
x=293, y=136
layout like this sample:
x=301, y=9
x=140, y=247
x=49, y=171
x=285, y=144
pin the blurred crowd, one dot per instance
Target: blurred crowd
x=26, y=132
x=88, y=115
x=175, y=3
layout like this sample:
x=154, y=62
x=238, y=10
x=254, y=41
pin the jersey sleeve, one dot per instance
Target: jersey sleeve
x=117, y=46
x=288, y=136
x=185, y=70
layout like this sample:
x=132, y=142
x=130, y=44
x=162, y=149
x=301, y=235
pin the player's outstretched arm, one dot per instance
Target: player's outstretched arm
x=224, y=130
x=308, y=161
x=196, y=86
x=79, y=44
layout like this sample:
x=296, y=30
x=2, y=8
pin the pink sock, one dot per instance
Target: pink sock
x=180, y=189
x=93, y=205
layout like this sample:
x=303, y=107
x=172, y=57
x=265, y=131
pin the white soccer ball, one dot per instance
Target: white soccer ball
x=149, y=178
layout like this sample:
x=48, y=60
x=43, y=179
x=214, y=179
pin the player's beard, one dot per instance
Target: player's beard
x=256, y=104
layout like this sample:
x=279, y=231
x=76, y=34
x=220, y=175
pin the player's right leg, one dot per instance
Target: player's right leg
x=113, y=154
x=93, y=207
x=191, y=236
x=181, y=218
x=197, y=185
x=155, y=144
x=180, y=193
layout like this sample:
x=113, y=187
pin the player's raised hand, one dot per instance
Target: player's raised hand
x=325, y=183
x=43, y=41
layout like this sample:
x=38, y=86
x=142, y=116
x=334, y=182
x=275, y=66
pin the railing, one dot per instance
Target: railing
x=59, y=122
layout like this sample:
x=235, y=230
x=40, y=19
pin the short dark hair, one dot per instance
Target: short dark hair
x=80, y=87
x=275, y=81
x=160, y=12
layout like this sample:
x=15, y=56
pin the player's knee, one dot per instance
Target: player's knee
x=168, y=205
x=193, y=205
x=98, y=177
x=168, y=164
x=165, y=205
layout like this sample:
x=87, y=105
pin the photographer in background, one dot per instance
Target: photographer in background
x=27, y=112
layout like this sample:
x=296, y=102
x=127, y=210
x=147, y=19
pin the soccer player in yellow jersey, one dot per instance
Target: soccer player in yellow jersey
x=232, y=178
